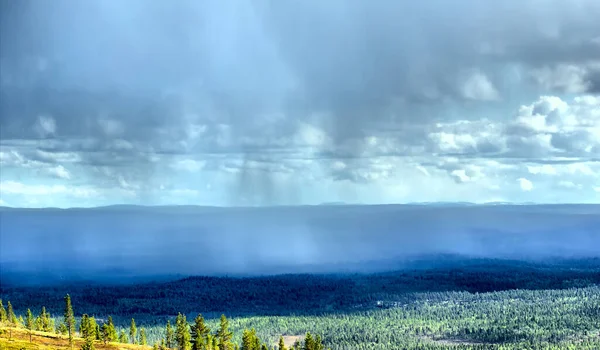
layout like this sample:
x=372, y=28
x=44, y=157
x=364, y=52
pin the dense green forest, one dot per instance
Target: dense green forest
x=476, y=304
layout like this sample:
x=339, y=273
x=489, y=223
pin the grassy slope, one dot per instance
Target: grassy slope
x=42, y=340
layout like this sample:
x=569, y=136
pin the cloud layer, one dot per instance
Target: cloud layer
x=267, y=102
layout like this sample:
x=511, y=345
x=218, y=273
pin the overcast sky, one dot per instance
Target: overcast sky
x=298, y=102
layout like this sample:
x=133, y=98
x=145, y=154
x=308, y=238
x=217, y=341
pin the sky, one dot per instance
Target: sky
x=251, y=103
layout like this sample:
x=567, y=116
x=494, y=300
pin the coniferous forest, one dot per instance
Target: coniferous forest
x=456, y=304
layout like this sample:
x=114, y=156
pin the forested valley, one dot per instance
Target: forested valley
x=457, y=304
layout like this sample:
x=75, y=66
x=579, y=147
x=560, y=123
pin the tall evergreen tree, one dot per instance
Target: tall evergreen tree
x=182, y=333
x=84, y=326
x=29, y=323
x=69, y=319
x=281, y=343
x=112, y=331
x=105, y=333
x=45, y=321
x=199, y=333
x=88, y=344
x=3, y=316
x=215, y=343
x=318, y=343
x=224, y=335
x=169, y=335
x=143, y=340
x=249, y=340
x=95, y=327
x=12, y=318
x=123, y=337
x=309, y=343
x=132, y=331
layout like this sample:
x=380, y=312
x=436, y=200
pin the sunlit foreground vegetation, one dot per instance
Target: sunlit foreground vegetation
x=198, y=336
x=458, y=307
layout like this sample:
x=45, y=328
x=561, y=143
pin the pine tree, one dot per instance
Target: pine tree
x=281, y=343
x=132, y=331
x=88, y=345
x=182, y=334
x=84, y=326
x=69, y=319
x=250, y=340
x=199, y=333
x=169, y=335
x=215, y=343
x=61, y=329
x=309, y=343
x=105, y=333
x=224, y=335
x=3, y=316
x=143, y=340
x=37, y=324
x=45, y=321
x=112, y=331
x=29, y=324
x=122, y=337
x=319, y=343
x=12, y=318
x=95, y=327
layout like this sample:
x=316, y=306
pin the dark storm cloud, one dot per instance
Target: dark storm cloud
x=352, y=68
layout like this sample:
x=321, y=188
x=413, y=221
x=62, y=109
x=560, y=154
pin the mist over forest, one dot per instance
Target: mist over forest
x=121, y=242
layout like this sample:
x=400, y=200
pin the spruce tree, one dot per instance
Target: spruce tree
x=309, y=343
x=96, y=328
x=169, y=336
x=47, y=322
x=281, y=343
x=199, y=333
x=132, y=331
x=319, y=343
x=105, y=333
x=61, y=329
x=248, y=340
x=12, y=318
x=123, y=337
x=29, y=324
x=224, y=335
x=69, y=319
x=143, y=340
x=215, y=343
x=88, y=344
x=42, y=321
x=3, y=316
x=84, y=326
x=112, y=331
x=182, y=334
